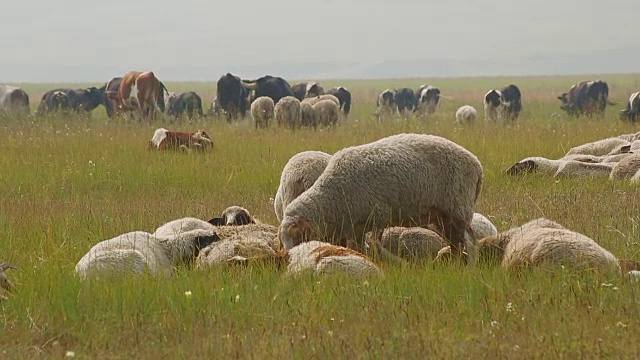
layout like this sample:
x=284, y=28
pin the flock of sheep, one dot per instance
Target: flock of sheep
x=323, y=110
x=405, y=197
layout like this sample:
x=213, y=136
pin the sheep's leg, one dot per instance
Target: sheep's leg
x=460, y=236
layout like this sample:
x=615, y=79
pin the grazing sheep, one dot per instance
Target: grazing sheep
x=262, y=111
x=5, y=284
x=577, y=168
x=321, y=258
x=288, y=112
x=482, y=227
x=466, y=115
x=314, y=100
x=308, y=116
x=626, y=168
x=327, y=112
x=233, y=216
x=414, y=243
x=389, y=182
x=541, y=242
x=139, y=252
x=598, y=148
x=175, y=227
x=299, y=174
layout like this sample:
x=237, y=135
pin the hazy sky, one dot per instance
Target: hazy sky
x=90, y=40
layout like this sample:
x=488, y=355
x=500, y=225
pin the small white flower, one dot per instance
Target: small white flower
x=237, y=298
x=621, y=324
x=494, y=323
x=70, y=354
x=510, y=307
x=187, y=293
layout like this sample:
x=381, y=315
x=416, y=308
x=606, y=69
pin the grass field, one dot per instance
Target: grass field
x=66, y=184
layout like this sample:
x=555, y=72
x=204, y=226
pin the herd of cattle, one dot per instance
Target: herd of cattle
x=142, y=93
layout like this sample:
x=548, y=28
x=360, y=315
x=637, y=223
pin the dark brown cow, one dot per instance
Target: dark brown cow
x=139, y=90
x=164, y=139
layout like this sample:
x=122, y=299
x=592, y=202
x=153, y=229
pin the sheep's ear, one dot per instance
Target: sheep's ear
x=243, y=219
x=625, y=149
x=217, y=221
x=203, y=241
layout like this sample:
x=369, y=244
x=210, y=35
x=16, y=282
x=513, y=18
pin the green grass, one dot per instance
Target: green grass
x=68, y=183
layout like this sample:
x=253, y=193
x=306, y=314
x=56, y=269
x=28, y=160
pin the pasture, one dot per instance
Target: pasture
x=68, y=183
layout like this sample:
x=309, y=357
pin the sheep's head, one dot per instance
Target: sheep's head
x=233, y=215
x=522, y=167
x=491, y=248
x=295, y=230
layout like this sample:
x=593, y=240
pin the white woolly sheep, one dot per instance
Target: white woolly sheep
x=320, y=258
x=175, y=227
x=288, y=112
x=234, y=215
x=262, y=111
x=299, y=174
x=326, y=112
x=250, y=243
x=577, y=168
x=308, y=116
x=535, y=164
x=466, y=115
x=541, y=242
x=5, y=284
x=389, y=182
x=314, y=100
x=414, y=243
x=269, y=232
x=598, y=148
x=630, y=137
x=482, y=227
x=139, y=252
x=626, y=168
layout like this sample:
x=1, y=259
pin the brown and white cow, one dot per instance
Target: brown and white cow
x=139, y=90
x=164, y=139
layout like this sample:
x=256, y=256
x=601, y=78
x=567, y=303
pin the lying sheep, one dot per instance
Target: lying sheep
x=288, y=112
x=268, y=232
x=598, y=148
x=234, y=215
x=139, y=252
x=262, y=111
x=626, y=168
x=630, y=137
x=562, y=167
x=326, y=112
x=414, y=243
x=308, y=116
x=577, y=168
x=314, y=100
x=541, y=242
x=299, y=174
x=389, y=182
x=5, y=284
x=466, y=115
x=175, y=227
x=321, y=258
x=247, y=245
x=535, y=164
x=482, y=227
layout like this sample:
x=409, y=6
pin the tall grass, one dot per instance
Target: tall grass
x=67, y=183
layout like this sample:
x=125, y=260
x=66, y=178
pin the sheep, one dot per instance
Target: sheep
x=626, y=168
x=414, y=243
x=326, y=112
x=288, y=113
x=466, y=115
x=598, y=148
x=577, y=168
x=320, y=258
x=314, y=100
x=542, y=241
x=262, y=111
x=535, y=164
x=482, y=227
x=308, y=116
x=234, y=215
x=269, y=232
x=392, y=182
x=175, y=227
x=139, y=252
x=299, y=174
x=630, y=137
x=5, y=284
x=247, y=245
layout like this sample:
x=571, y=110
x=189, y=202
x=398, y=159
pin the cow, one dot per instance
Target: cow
x=493, y=105
x=633, y=108
x=111, y=96
x=428, y=98
x=305, y=90
x=512, y=101
x=13, y=100
x=164, y=139
x=586, y=98
x=186, y=103
x=77, y=100
x=386, y=104
x=139, y=90
x=344, y=96
x=405, y=100
x=232, y=96
x=272, y=86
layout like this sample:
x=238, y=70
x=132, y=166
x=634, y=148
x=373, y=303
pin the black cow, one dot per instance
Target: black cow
x=428, y=99
x=344, y=96
x=274, y=87
x=586, y=98
x=232, y=96
x=78, y=100
x=633, y=108
x=305, y=90
x=405, y=100
x=188, y=103
x=111, y=96
x=512, y=101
